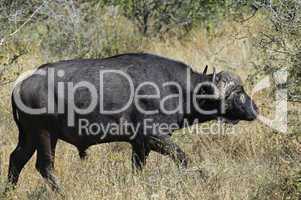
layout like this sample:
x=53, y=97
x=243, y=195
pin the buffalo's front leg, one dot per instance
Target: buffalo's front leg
x=45, y=159
x=166, y=146
x=140, y=152
x=82, y=153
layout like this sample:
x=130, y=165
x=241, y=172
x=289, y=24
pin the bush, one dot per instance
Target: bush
x=68, y=30
x=86, y=32
x=153, y=17
x=279, y=44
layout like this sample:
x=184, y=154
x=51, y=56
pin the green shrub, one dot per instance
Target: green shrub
x=279, y=44
x=153, y=17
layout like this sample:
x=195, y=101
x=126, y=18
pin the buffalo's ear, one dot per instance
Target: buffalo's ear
x=214, y=75
x=205, y=70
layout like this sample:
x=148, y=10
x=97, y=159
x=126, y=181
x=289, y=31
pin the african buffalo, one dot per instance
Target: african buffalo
x=79, y=101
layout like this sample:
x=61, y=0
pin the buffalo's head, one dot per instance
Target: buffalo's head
x=234, y=102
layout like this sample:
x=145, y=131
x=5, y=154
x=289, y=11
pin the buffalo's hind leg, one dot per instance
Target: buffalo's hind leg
x=45, y=159
x=166, y=146
x=53, y=146
x=20, y=156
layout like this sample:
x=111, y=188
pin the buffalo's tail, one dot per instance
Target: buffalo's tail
x=15, y=112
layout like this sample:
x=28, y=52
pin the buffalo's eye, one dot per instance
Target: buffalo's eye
x=242, y=98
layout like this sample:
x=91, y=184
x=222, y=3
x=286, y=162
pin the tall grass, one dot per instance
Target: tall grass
x=253, y=163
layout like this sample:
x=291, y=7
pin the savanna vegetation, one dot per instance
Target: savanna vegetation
x=253, y=38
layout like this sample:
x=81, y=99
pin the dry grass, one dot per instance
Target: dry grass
x=253, y=163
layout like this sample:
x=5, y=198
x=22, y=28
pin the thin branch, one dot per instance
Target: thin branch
x=248, y=18
x=20, y=27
